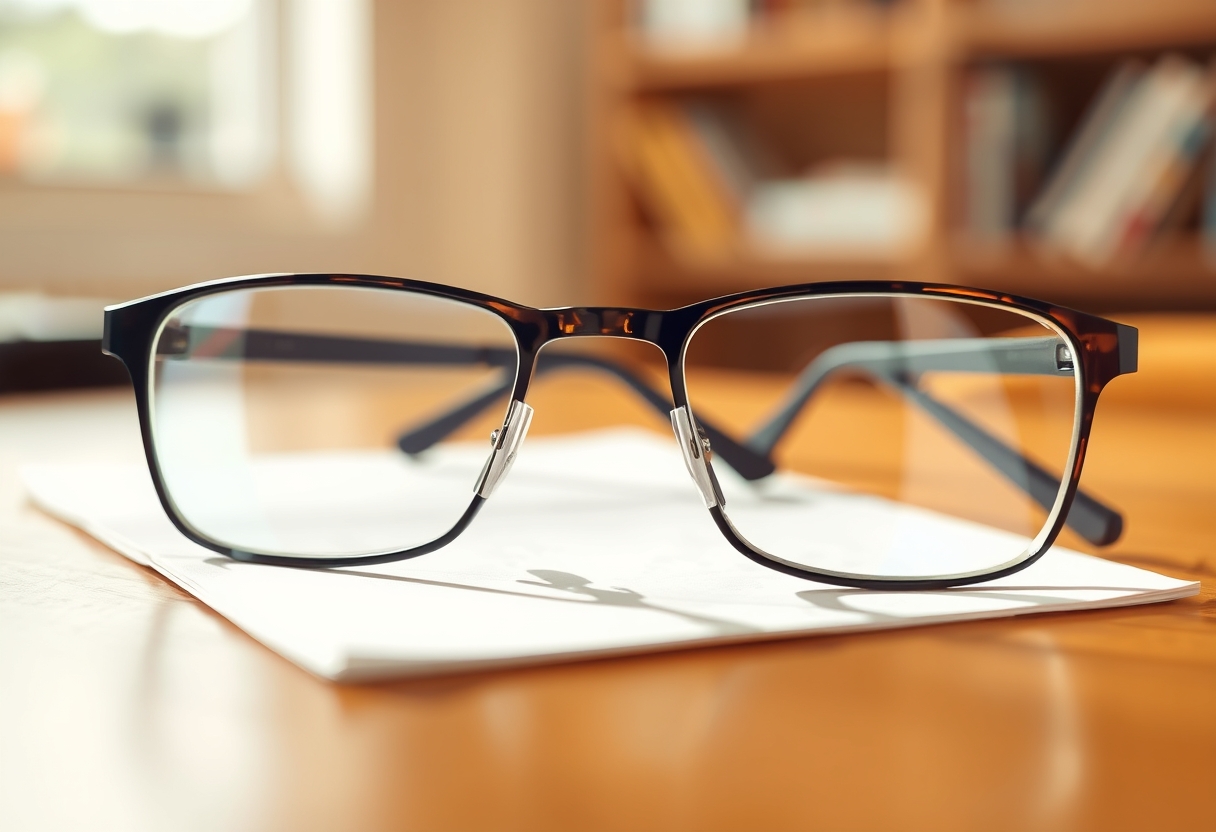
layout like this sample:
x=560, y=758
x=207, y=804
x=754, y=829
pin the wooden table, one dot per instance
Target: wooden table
x=125, y=704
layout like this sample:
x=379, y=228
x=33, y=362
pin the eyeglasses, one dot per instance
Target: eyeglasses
x=864, y=434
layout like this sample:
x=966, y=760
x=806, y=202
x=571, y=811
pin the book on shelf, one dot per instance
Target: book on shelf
x=1079, y=154
x=1165, y=190
x=1006, y=133
x=1208, y=196
x=709, y=181
x=1128, y=175
x=673, y=174
x=737, y=156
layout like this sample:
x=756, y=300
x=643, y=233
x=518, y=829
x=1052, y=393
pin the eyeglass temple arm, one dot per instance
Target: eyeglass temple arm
x=898, y=363
x=267, y=345
x=892, y=359
x=1094, y=521
x=274, y=345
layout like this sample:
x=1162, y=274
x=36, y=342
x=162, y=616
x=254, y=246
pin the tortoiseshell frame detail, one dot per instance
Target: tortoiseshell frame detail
x=1102, y=350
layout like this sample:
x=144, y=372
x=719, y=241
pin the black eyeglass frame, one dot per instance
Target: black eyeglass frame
x=1102, y=350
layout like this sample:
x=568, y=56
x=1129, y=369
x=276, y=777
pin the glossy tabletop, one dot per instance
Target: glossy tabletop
x=125, y=704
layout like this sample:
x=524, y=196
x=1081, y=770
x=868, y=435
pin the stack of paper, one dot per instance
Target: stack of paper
x=595, y=544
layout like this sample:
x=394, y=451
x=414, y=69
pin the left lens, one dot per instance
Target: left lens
x=278, y=413
x=914, y=437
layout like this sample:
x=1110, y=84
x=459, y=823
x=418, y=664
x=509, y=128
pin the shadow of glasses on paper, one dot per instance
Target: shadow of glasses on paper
x=581, y=588
x=621, y=597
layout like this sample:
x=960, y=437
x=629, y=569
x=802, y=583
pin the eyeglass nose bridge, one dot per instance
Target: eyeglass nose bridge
x=605, y=321
x=568, y=322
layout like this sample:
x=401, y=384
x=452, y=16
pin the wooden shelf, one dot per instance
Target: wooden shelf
x=1173, y=276
x=858, y=43
x=1177, y=275
x=1068, y=29
x=747, y=268
x=838, y=44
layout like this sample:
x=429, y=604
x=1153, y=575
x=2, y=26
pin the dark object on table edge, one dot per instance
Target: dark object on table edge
x=27, y=366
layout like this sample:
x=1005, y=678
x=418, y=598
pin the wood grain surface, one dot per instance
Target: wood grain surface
x=125, y=704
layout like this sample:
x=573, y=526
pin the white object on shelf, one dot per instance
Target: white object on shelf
x=846, y=207
x=30, y=316
x=693, y=23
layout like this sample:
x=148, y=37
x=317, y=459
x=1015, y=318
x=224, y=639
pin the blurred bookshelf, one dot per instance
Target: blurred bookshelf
x=850, y=40
x=913, y=139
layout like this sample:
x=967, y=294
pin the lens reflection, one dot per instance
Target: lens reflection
x=914, y=437
x=279, y=416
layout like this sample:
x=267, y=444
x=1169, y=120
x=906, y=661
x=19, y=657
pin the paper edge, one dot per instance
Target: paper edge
x=116, y=542
x=355, y=668
x=361, y=669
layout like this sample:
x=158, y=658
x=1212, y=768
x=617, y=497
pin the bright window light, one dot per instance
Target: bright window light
x=330, y=104
x=189, y=93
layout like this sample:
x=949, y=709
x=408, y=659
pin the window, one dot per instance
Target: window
x=193, y=95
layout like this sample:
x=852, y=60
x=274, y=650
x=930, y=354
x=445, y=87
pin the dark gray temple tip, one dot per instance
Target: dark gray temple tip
x=1109, y=532
x=1098, y=523
x=1129, y=348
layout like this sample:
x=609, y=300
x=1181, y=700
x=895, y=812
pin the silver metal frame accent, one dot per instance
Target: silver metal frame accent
x=506, y=443
x=695, y=448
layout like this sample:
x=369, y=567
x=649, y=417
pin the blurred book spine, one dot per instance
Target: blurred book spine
x=1126, y=177
x=1207, y=193
x=1005, y=139
x=1164, y=186
x=673, y=172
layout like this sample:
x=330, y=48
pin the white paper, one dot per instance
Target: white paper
x=594, y=544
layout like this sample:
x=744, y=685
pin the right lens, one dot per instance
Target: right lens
x=279, y=416
x=915, y=437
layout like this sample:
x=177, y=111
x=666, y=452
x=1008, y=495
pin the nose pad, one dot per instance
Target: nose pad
x=506, y=441
x=695, y=448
